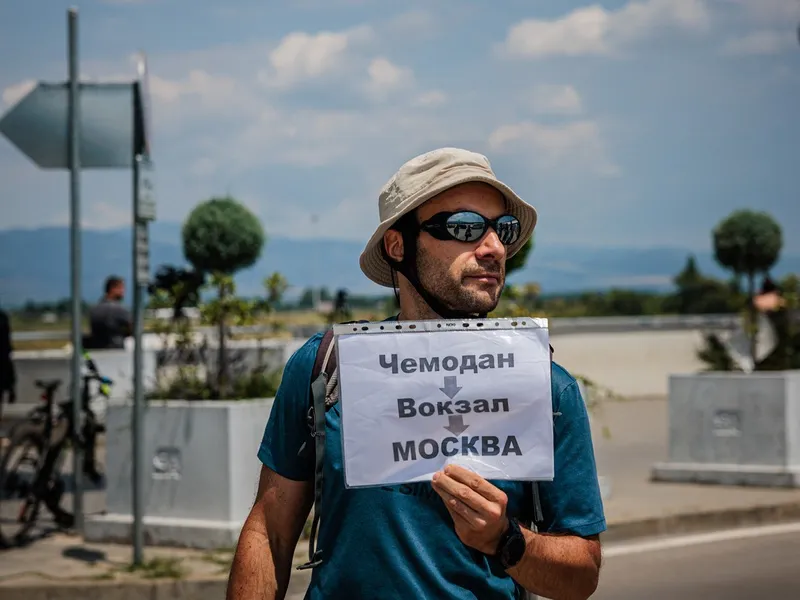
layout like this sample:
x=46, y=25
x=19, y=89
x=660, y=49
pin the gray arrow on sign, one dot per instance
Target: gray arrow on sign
x=111, y=121
x=456, y=425
x=450, y=387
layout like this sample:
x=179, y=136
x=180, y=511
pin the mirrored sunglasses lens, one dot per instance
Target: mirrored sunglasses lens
x=508, y=229
x=466, y=226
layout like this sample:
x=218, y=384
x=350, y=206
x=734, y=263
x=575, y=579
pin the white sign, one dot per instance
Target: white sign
x=416, y=396
x=142, y=254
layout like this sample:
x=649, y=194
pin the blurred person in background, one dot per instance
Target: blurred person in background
x=8, y=379
x=110, y=321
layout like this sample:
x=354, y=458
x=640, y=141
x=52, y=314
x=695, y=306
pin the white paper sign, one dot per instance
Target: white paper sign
x=415, y=400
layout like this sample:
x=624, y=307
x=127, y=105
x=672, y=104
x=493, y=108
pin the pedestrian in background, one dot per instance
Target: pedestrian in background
x=8, y=377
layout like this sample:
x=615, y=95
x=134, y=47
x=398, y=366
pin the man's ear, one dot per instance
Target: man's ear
x=393, y=243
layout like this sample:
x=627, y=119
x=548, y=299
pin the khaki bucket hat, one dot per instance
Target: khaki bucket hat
x=422, y=178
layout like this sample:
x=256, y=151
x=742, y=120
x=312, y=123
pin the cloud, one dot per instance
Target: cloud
x=431, y=98
x=301, y=56
x=320, y=137
x=576, y=145
x=385, y=77
x=555, y=100
x=761, y=42
x=16, y=92
x=102, y=215
x=593, y=30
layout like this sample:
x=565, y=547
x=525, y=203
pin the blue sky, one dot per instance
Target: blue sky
x=625, y=123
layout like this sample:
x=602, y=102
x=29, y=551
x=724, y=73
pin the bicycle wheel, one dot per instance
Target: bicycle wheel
x=30, y=475
x=19, y=469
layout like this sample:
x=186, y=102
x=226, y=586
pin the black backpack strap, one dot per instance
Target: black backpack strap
x=316, y=421
x=538, y=514
x=324, y=377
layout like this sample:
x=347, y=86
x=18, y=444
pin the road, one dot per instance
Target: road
x=738, y=564
x=732, y=565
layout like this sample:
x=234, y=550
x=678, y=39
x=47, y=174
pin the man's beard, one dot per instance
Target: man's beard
x=453, y=294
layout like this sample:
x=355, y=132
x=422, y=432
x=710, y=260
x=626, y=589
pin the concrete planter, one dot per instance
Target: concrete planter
x=603, y=480
x=734, y=429
x=201, y=472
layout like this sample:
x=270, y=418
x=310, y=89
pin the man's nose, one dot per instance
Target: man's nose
x=491, y=246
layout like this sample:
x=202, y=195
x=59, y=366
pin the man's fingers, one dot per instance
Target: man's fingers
x=476, y=482
x=464, y=494
x=461, y=512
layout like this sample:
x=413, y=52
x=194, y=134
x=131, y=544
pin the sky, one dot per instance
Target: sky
x=626, y=124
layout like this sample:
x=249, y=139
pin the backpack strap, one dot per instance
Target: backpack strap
x=538, y=514
x=324, y=377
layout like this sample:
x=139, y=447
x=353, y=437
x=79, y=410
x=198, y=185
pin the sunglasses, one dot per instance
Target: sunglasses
x=469, y=226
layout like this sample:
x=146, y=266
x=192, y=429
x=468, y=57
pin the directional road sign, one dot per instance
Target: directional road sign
x=39, y=125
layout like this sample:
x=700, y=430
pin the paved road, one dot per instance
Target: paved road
x=744, y=564
x=723, y=566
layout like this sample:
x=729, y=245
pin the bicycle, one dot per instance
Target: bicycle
x=47, y=432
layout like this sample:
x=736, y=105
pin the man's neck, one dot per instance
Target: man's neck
x=416, y=313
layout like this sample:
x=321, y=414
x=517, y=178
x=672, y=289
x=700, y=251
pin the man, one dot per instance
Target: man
x=8, y=379
x=110, y=322
x=448, y=538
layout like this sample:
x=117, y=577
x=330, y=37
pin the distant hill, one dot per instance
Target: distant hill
x=34, y=264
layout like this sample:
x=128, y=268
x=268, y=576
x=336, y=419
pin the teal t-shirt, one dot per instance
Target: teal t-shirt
x=399, y=541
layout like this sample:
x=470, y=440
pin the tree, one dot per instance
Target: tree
x=220, y=237
x=690, y=275
x=275, y=286
x=697, y=294
x=517, y=261
x=175, y=288
x=747, y=243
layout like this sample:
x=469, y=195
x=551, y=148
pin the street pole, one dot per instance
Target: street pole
x=75, y=257
x=139, y=229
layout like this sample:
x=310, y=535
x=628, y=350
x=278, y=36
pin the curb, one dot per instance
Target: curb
x=701, y=522
x=162, y=589
x=186, y=589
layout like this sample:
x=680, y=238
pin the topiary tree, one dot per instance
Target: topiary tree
x=220, y=237
x=747, y=243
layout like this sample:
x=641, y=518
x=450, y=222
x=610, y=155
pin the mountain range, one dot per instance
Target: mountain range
x=34, y=264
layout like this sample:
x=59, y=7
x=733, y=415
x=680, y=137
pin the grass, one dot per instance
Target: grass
x=222, y=557
x=159, y=567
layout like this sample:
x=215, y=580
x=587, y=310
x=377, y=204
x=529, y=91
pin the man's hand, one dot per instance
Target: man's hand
x=478, y=508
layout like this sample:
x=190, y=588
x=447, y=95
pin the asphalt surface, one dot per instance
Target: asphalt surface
x=766, y=566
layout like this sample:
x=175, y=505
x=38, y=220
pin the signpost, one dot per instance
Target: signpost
x=75, y=126
x=416, y=396
x=74, y=157
x=144, y=211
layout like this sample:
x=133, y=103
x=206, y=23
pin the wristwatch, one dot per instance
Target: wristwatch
x=511, y=547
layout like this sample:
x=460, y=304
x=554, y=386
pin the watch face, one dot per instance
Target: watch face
x=514, y=550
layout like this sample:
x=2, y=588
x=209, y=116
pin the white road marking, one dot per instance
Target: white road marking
x=624, y=549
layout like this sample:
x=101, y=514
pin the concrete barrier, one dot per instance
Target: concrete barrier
x=200, y=478
x=734, y=429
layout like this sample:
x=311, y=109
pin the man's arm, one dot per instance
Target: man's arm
x=562, y=560
x=554, y=566
x=263, y=559
x=559, y=566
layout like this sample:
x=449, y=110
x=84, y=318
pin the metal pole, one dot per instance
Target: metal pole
x=75, y=256
x=138, y=402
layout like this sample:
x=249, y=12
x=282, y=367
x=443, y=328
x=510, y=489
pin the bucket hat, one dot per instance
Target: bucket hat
x=422, y=178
